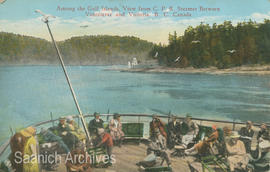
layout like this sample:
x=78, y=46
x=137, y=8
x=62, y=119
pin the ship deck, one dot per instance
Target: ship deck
x=129, y=154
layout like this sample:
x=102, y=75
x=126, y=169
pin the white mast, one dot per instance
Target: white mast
x=45, y=20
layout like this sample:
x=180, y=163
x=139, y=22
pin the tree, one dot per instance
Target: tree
x=249, y=40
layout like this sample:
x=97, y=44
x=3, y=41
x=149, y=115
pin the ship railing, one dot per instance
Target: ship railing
x=141, y=118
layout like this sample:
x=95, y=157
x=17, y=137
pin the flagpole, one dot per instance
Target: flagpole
x=69, y=83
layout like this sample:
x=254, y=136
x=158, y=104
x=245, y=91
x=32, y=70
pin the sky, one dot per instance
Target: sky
x=161, y=17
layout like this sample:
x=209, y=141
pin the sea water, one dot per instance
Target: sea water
x=28, y=94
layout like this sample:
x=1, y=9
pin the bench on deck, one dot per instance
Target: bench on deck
x=134, y=132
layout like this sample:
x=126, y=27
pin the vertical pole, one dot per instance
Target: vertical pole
x=52, y=118
x=108, y=112
x=169, y=116
x=11, y=130
x=233, y=125
x=139, y=121
x=69, y=83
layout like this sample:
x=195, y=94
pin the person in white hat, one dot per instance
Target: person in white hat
x=74, y=129
x=237, y=157
x=106, y=141
x=192, y=130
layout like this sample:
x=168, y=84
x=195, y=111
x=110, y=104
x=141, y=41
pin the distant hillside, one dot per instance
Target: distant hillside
x=223, y=46
x=83, y=50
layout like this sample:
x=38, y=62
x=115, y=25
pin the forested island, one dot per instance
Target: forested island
x=82, y=50
x=221, y=46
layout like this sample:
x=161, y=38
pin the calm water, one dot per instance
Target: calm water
x=28, y=94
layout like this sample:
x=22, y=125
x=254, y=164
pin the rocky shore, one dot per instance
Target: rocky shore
x=245, y=70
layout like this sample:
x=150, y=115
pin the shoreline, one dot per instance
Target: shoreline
x=242, y=70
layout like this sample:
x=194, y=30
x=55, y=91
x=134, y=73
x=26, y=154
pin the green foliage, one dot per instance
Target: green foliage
x=84, y=50
x=205, y=46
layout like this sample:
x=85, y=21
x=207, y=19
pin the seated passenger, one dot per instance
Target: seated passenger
x=116, y=132
x=237, y=157
x=246, y=134
x=263, y=133
x=95, y=124
x=203, y=146
x=227, y=133
x=261, y=162
x=49, y=136
x=174, y=134
x=64, y=132
x=157, y=130
x=62, y=127
x=74, y=129
x=192, y=131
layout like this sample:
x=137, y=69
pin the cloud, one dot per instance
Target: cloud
x=259, y=17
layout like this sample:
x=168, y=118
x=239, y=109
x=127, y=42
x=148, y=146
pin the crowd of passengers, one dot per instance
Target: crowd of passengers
x=234, y=146
x=69, y=139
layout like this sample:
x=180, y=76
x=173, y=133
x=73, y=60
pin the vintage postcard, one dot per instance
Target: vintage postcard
x=134, y=85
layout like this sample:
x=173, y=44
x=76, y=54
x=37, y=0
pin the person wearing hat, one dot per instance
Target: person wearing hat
x=95, y=124
x=30, y=151
x=157, y=130
x=106, y=141
x=263, y=133
x=203, y=146
x=74, y=129
x=192, y=131
x=116, y=132
x=62, y=127
x=237, y=157
x=64, y=132
x=246, y=134
x=174, y=132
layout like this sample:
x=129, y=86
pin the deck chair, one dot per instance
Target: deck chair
x=260, y=164
x=214, y=158
x=179, y=151
x=211, y=162
x=217, y=157
x=95, y=152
